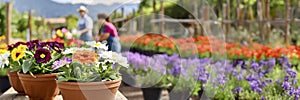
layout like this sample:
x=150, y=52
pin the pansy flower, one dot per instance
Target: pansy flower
x=32, y=44
x=58, y=47
x=42, y=55
x=17, y=54
x=4, y=59
x=60, y=63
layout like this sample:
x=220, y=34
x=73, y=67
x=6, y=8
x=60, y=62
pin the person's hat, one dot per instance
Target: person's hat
x=82, y=8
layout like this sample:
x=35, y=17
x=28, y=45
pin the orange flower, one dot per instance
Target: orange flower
x=85, y=56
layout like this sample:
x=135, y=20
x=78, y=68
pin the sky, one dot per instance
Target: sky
x=61, y=8
x=93, y=2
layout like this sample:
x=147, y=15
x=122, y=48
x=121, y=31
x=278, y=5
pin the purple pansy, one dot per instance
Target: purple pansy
x=42, y=55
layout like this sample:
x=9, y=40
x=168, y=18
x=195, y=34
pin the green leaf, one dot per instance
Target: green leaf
x=26, y=66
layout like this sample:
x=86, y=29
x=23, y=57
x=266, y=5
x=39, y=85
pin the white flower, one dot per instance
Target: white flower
x=69, y=51
x=118, y=58
x=106, y=54
x=97, y=45
x=4, y=59
x=104, y=67
x=122, y=61
x=100, y=45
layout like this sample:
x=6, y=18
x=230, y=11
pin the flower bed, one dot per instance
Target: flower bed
x=203, y=45
x=271, y=78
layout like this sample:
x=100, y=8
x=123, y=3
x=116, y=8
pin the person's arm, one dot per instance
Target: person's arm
x=104, y=37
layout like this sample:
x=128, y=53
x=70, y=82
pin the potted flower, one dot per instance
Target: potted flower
x=89, y=72
x=149, y=73
x=37, y=74
x=12, y=59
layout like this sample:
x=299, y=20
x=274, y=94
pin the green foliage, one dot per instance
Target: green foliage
x=72, y=21
x=2, y=19
x=3, y=72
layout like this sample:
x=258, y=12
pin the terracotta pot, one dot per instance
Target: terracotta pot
x=40, y=87
x=89, y=90
x=15, y=81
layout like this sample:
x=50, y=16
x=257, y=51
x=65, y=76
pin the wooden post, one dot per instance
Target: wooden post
x=267, y=17
x=224, y=17
x=228, y=26
x=30, y=24
x=162, y=12
x=8, y=21
x=196, y=17
x=260, y=20
x=238, y=13
x=133, y=13
x=134, y=22
x=142, y=20
x=123, y=15
x=287, y=24
x=115, y=17
x=153, y=15
x=206, y=25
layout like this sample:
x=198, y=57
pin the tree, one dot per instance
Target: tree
x=72, y=21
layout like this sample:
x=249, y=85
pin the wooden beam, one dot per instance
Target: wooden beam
x=276, y=21
x=8, y=22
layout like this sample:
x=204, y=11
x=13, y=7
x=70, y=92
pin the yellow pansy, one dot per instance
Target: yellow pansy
x=59, y=33
x=17, y=54
x=22, y=47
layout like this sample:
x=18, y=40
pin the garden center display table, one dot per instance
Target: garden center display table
x=11, y=94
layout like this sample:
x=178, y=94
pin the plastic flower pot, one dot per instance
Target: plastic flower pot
x=40, y=87
x=179, y=95
x=89, y=90
x=152, y=93
x=4, y=83
x=15, y=81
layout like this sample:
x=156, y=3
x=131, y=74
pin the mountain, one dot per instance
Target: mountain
x=50, y=9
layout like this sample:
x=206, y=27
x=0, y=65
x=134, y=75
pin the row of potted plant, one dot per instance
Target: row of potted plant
x=272, y=78
x=85, y=72
x=206, y=46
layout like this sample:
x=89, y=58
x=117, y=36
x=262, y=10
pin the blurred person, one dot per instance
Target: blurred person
x=108, y=32
x=85, y=24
